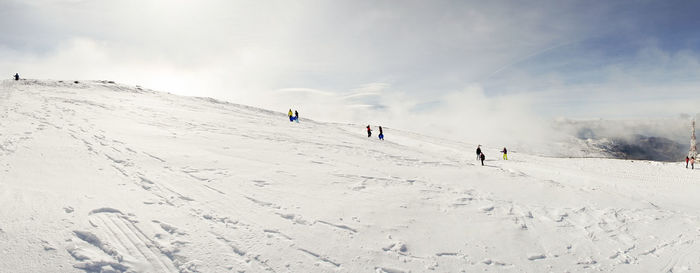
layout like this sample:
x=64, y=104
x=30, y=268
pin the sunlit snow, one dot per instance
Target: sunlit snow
x=102, y=177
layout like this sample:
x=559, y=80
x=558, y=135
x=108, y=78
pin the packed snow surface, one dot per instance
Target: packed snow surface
x=102, y=177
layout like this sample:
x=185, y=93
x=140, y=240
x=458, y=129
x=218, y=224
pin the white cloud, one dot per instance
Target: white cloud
x=305, y=90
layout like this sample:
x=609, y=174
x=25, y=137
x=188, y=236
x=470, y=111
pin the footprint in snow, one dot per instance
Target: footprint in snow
x=488, y=209
x=399, y=247
x=388, y=270
x=493, y=262
x=536, y=257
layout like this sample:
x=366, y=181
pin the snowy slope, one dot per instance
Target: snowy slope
x=101, y=177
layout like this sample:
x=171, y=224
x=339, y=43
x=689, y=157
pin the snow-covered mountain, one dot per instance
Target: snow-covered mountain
x=102, y=177
x=657, y=139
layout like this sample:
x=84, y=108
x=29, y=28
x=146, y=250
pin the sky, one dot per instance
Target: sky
x=465, y=69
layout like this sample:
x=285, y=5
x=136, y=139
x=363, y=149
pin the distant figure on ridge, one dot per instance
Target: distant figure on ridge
x=369, y=131
x=505, y=153
x=16, y=76
x=381, y=133
x=478, y=152
x=296, y=116
x=482, y=157
x=686, y=162
x=291, y=118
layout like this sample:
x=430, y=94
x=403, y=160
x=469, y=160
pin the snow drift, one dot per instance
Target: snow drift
x=102, y=177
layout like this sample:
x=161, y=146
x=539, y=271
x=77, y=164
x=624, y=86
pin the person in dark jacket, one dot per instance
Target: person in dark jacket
x=16, y=76
x=505, y=153
x=381, y=133
x=478, y=152
x=369, y=131
x=692, y=163
x=296, y=116
x=482, y=157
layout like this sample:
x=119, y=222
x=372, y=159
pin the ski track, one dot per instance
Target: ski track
x=118, y=237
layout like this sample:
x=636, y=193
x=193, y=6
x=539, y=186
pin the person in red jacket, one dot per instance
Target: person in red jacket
x=369, y=131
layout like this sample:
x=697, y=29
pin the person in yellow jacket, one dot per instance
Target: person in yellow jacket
x=290, y=114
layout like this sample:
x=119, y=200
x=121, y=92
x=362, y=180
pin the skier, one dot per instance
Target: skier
x=478, y=152
x=482, y=157
x=686, y=162
x=505, y=153
x=16, y=76
x=291, y=118
x=381, y=133
x=296, y=116
x=369, y=131
x=692, y=163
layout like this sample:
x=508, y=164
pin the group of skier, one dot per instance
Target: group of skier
x=381, y=132
x=690, y=160
x=293, y=116
x=481, y=156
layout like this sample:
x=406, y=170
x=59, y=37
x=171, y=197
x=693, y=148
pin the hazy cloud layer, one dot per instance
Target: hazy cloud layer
x=482, y=71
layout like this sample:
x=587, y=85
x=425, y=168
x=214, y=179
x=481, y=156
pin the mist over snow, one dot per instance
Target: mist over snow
x=666, y=139
x=467, y=113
